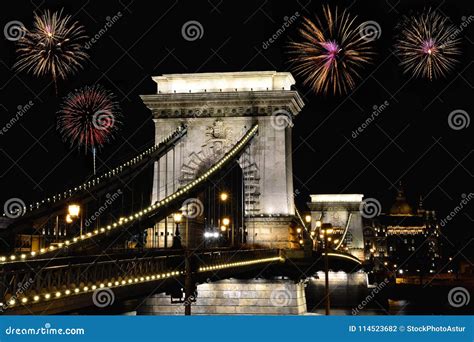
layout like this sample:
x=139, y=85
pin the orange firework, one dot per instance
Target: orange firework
x=330, y=56
x=53, y=47
x=428, y=45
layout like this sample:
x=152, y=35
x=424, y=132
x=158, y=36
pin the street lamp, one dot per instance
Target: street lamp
x=225, y=221
x=326, y=229
x=300, y=237
x=307, y=218
x=73, y=210
x=177, y=217
x=224, y=196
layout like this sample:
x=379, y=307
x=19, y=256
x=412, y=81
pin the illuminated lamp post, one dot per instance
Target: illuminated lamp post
x=225, y=225
x=224, y=196
x=326, y=229
x=73, y=211
x=300, y=238
x=177, y=217
x=317, y=227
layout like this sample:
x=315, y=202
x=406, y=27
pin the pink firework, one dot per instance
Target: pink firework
x=89, y=117
x=330, y=53
x=427, y=45
x=332, y=49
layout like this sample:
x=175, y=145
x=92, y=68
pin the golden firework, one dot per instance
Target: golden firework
x=331, y=52
x=427, y=45
x=53, y=47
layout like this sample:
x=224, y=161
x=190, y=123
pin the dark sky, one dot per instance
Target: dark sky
x=410, y=141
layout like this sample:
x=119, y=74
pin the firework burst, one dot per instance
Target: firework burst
x=427, y=45
x=330, y=55
x=89, y=117
x=54, y=47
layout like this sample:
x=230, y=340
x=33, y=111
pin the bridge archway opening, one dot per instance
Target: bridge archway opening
x=224, y=208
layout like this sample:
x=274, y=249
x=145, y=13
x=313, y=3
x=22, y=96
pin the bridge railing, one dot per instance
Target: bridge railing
x=34, y=284
x=224, y=259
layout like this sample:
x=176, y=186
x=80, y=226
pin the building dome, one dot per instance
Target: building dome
x=401, y=206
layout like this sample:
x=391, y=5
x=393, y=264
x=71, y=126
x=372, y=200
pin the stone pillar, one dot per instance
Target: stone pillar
x=346, y=289
x=218, y=109
x=235, y=297
x=274, y=232
x=341, y=210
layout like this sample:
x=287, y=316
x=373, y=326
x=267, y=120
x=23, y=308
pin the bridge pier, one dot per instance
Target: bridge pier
x=272, y=231
x=235, y=297
x=218, y=108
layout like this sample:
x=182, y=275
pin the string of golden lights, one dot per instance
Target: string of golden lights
x=139, y=214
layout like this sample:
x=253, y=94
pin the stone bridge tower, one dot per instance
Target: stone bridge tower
x=218, y=108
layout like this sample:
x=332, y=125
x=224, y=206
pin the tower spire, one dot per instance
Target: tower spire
x=421, y=209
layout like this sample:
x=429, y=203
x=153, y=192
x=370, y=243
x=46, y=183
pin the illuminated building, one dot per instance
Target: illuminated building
x=403, y=238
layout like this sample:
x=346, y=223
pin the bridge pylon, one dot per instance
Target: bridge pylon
x=218, y=108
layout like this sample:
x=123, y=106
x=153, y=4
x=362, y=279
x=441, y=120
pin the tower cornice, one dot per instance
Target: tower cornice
x=227, y=104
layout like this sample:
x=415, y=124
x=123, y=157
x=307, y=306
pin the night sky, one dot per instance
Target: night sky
x=410, y=141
